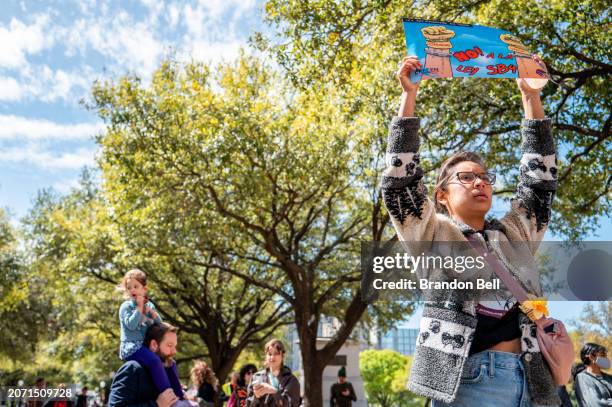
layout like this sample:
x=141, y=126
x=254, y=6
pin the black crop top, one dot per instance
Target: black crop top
x=492, y=330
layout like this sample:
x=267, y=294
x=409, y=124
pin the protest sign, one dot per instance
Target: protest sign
x=451, y=50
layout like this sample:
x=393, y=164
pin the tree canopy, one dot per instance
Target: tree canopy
x=385, y=373
x=358, y=44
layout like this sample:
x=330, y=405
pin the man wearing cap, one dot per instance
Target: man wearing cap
x=342, y=393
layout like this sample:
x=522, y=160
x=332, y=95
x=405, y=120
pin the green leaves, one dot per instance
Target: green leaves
x=385, y=374
x=356, y=46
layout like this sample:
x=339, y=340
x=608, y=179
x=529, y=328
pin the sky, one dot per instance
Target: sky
x=52, y=51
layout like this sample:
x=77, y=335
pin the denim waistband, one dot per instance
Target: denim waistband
x=502, y=360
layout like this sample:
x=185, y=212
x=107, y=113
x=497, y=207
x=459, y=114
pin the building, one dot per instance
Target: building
x=347, y=356
x=402, y=340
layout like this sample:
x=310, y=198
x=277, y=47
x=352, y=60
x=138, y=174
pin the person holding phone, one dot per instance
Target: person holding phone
x=275, y=385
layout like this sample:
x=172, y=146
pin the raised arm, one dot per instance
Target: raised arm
x=531, y=206
x=404, y=194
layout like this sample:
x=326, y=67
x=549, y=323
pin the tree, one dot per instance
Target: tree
x=84, y=246
x=594, y=325
x=243, y=174
x=357, y=45
x=22, y=310
x=385, y=373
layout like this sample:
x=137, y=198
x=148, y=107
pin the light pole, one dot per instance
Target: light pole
x=20, y=384
x=103, y=392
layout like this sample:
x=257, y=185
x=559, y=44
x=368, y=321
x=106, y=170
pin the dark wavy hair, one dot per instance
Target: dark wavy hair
x=588, y=349
x=243, y=372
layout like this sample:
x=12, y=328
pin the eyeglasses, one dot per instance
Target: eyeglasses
x=468, y=177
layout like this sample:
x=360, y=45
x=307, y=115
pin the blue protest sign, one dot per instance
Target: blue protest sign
x=450, y=50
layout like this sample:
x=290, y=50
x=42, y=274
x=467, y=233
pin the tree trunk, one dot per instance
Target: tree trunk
x=222, y=364
x=313, y=385
x=313, y=373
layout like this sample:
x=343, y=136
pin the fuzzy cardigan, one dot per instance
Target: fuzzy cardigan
x=438, y=362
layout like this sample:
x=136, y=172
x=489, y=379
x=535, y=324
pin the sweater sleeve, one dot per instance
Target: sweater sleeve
x=130, y=318
x=158, y=319
x=353, y=396
x=404, y=194
x=332, y=396
x=586, y=391
x=531, y=206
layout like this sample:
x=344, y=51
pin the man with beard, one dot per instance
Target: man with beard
x=132, y=385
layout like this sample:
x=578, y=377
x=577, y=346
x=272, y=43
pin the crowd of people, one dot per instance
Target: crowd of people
x=149, y=378
x=133, y=384
x=149, y=374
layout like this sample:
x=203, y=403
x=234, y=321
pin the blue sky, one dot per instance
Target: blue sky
x=50, y=54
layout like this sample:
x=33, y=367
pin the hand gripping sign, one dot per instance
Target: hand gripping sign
x=451, y=50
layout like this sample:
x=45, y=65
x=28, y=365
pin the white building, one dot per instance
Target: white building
x=347, y=355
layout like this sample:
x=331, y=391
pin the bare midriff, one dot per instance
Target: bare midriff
x=513, y=346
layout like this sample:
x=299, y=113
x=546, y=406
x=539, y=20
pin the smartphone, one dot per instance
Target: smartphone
x=258, y=378
x=551, y=329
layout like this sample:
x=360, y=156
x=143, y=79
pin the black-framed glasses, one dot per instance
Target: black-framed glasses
x=468, y=177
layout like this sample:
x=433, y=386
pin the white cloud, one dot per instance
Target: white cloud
x=214, y=52
x=156, y=8
x=66, y=185
x=42, y=83
x=126, y=44
x=212, y=29
x=195, y=20
x=173, y=15
x=22, y=128
x=217, y=8
x=10, y=90
x=18, y=40
x=216, y=19
x=46, y=159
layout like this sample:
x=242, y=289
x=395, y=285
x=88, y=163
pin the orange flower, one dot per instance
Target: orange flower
x=535, y=307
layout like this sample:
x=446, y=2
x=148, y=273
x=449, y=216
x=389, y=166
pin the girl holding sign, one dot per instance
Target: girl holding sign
x=471, y=353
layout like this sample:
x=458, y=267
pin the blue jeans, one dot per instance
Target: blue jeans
x=491, y=379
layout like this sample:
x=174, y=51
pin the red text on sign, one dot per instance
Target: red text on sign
x=501, y=69
x=468, y=54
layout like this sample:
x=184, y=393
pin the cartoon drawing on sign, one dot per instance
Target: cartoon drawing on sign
x=437, y=61
x=475, y=52
x=528, y=66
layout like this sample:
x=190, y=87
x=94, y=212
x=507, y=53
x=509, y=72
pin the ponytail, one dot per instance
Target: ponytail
x=588, y=349
x=577, y=368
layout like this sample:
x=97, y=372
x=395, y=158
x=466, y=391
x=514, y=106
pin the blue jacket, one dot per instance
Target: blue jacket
x=134, y=325
x=132, y=387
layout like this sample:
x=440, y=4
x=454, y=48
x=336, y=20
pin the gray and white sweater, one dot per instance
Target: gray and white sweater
x=447, y=327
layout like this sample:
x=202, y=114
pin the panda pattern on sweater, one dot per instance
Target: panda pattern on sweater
x=447, y=328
